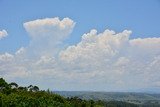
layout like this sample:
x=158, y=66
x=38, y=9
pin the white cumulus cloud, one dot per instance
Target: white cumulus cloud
x=48, y=34
x=3, y=34
x=112, y=58
x=107, y=61
x=97, y=47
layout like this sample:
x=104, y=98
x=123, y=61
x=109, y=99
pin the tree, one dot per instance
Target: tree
x=13, y=85
x=3, y=84
x=30, y=87
x=22, y=88
x=35, y=88
x=92, y=103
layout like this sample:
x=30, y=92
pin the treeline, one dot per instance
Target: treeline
x=13, y=95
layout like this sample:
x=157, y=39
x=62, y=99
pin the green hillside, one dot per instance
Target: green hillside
x=12, y=95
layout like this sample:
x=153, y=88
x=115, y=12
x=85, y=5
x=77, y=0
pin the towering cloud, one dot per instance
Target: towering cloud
x=114, y=60
x=97, y=47
x=3, y=34
x=107, y=61
x=48, y=34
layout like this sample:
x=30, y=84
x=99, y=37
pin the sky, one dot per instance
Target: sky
x=87, y=45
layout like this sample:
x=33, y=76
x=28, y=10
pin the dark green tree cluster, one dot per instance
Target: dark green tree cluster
x=120, y=104
x=77, y=102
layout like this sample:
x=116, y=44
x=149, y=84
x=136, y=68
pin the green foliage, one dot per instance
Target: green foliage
x=13, y=85
x=119, y=104
x=13, y=96
x=3, y=84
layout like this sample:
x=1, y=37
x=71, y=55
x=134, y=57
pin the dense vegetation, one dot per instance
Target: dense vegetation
x=12, y=95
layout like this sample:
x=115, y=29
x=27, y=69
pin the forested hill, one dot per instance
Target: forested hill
x=146, y=99
x=119, y=96
x=13, y=95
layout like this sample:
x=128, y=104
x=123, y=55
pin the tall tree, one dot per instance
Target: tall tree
x=13, y=85
x=35, y=88
x=30, y=87
x=3, y=84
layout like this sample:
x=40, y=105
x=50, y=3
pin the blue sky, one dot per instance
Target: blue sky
x=140, y=16
x=98, y=45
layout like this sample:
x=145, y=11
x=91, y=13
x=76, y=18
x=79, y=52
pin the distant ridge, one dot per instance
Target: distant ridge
x=107, y=96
